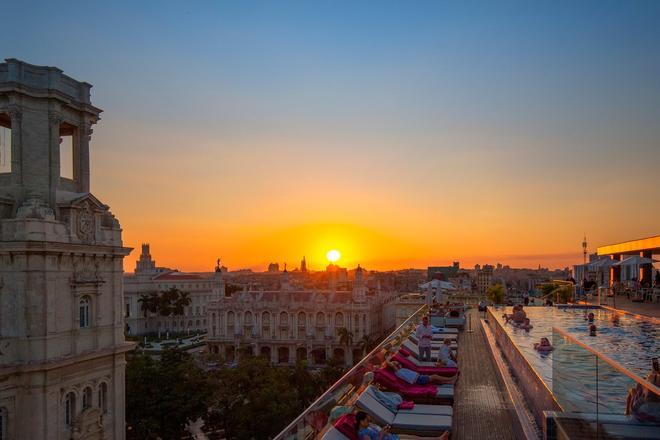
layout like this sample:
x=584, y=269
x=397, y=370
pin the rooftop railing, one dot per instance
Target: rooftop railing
x=339, y=398
x=600, y=397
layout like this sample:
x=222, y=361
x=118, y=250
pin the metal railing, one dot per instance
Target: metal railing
x=316, y=419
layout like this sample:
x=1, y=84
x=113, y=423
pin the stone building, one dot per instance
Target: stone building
x=484, y=277
x=292, y=324
x=148, y=278
x=61, y=331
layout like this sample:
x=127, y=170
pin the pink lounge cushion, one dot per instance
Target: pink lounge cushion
x=406, y=404
x=407, y=363
x=388, y=379
x=346, y=424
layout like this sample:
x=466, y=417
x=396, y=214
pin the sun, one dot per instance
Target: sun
x=333, y=255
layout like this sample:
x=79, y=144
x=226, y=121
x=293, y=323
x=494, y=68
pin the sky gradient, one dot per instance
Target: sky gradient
x=401, y=133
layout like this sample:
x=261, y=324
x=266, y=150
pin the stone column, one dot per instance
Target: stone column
x=81, y=157
x=54, y=121
x=16, y=116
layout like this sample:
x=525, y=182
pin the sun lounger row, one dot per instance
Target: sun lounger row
x=425, y=409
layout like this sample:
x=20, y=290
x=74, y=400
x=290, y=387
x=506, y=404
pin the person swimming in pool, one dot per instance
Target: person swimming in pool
x=615, y=319
x=592, y=330
x=590, y=317
x=526, y=325
x=543, y=346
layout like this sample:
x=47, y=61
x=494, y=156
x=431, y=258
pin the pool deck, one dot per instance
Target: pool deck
x=482, y=408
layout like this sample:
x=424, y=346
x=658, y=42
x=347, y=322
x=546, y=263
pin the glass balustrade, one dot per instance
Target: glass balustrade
x=600, y=398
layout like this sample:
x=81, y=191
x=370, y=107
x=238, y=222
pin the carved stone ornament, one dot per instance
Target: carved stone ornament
x=86, y=224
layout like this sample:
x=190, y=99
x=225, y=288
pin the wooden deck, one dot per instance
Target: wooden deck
x=482, y=408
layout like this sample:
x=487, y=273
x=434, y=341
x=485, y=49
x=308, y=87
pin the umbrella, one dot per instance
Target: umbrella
x=438, y=284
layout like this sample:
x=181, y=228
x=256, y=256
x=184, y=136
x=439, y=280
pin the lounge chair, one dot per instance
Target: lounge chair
x=417, y=393
x=419, y=408
x=334, y=434
x=412, y=348
x=434, y=343
x=406, y=421
x=411, y=363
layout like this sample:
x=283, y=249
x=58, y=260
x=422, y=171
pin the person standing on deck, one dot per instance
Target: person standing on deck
x=424, y=334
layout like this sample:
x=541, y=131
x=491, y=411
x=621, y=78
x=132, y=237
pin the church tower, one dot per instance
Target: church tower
x=359, y=288
x=62, y=341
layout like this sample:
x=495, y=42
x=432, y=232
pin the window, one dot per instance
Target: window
x=128, y=310
x=66, y=150
x=69, y=409
x=103, y=397
x=5, y=148
x=85, y=312
x=87, y=398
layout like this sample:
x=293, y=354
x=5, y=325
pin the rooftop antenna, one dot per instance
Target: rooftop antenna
x=584, y=249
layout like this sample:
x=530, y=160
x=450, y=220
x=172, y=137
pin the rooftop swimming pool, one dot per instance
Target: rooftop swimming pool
x=578, y=381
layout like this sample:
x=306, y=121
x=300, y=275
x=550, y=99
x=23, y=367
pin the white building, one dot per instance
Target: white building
x=293, y=324
x=148, y=278
x=61, y=332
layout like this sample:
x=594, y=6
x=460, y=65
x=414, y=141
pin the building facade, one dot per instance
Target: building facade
x=484, y=277
x=292, y=324
x=149, y=278
x=61, y=331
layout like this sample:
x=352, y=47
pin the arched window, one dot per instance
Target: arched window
x=84, y=312
x=339, y=320
x=284, y=319
x=87, y=398
x=103, y=397
x=302, y=319
x=247, y=318
x=320, y=319
x=69, y=409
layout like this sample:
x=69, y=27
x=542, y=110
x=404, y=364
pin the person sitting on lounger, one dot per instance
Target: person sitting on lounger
x=412, y=377
x=370, y=431
x=445, y=356
x=544, y=345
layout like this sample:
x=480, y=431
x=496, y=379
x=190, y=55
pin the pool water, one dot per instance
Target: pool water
x=576, y=379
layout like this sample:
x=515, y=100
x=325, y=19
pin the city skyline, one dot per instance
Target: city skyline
x=402, y=136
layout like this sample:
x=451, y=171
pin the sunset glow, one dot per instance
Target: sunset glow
x=400, y=151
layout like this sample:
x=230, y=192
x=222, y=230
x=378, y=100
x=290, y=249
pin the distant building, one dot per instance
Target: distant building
x=294, y=323
x=303, y=265
x=148, y=278
x=273, y=267
x=443, y=272
x=484, y=278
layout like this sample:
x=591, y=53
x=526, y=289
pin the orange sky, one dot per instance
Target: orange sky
x=402, y=135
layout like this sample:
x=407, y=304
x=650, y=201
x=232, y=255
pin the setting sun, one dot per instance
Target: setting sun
x=333, y=255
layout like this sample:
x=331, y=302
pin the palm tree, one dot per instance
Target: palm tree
x=182, y=301
x=366, y=343
x=149, y=302
x=345, y=337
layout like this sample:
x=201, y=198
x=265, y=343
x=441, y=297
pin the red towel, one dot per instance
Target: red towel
x=406, y=404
